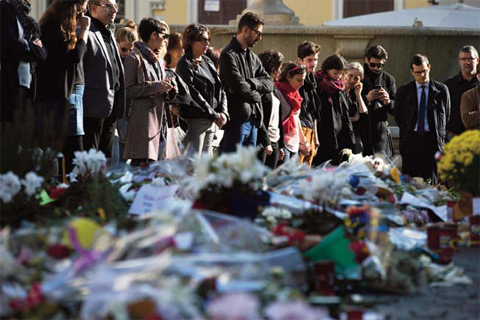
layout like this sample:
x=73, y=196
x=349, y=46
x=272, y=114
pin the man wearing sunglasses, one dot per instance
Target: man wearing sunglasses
x=104, y=97
x=422, y=111
x=379, y=93
x=245, y=81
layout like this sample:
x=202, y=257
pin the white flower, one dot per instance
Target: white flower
x=10, y=185
x=278, y=213
x=32, y=182
x=324, y=185
x=86, y=163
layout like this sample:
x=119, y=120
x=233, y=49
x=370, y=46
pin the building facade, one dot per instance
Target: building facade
x=310, y=12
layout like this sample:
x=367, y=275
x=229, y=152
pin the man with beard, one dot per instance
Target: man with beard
x=244, y=80
x=422, y=111
x=379, y=93
x=104, y=96
x=307, y=55
x=462, y=82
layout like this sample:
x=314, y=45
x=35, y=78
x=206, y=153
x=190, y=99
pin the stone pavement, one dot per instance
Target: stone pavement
x=440, y=303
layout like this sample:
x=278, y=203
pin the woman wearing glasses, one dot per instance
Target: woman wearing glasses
x=146, y=86
x=290, y=81
x=61, y=82
x=209, y=103
x=126, y=36
x=335, y=129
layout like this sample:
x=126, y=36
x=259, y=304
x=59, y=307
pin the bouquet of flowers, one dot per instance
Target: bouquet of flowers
x=460, y=163
x=18, y=197
x=91, y=193
x=228, y=183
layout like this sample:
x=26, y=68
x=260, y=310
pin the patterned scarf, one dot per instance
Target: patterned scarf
x=294, y=99
x=31, y=29
x=328, y=85
x=146, y=52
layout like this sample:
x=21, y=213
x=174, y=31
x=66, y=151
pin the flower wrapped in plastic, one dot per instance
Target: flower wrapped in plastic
x=230, y=183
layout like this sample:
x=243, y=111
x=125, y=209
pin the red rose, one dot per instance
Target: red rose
x=58, y=251
x=56, y=193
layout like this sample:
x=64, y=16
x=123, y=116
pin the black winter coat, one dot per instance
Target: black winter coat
x=244, y=80
x=377, y=126
x=207, y=97
x=12, y=52
x=263, y=137
x=63, y=68
x=311, y=102
x=335, y=131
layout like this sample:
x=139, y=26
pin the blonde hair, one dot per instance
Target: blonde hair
x=355, y=66
x=129, y=32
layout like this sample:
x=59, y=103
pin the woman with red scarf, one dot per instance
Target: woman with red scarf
x=335, y=131
x=291, y=79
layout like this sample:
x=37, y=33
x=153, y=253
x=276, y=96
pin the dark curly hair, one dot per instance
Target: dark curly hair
x=192, y=33
x=271, y=60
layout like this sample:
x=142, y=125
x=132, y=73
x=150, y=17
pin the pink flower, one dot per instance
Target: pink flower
x=234, y=306
x=294, y=310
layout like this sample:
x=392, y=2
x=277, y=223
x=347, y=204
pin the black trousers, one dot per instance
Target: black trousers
x=418, y=156
x=270, y=161
x=72, y=144
x=99, y=134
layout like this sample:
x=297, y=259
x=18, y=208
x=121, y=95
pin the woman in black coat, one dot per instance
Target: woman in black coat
x=335, y=131
x=61, y=77
x=209, y=107
x=21, y=48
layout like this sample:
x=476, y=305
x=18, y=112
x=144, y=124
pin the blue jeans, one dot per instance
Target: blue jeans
x=245, y=135
x=288, y=154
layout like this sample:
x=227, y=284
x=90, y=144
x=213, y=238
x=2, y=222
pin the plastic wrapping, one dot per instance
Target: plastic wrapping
x=407, y=238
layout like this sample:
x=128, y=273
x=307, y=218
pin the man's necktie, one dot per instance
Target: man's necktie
x=421, y=114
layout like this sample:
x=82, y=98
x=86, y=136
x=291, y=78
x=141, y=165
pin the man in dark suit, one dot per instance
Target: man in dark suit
x=422, y=111
x=104, y=97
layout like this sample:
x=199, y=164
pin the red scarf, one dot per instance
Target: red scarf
x=294, y=99
x=327, y=84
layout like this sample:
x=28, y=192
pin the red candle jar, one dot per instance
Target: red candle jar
x=354, y=314
x=443, y=240
x=324, y=277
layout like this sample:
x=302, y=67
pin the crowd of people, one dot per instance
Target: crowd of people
x=89, y=80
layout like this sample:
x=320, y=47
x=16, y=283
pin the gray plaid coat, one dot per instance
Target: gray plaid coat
x=144, y=96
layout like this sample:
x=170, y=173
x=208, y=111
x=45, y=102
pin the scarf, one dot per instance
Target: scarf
x=294, y=99
x=146, y=52
x=31, y=29
x=328, y=85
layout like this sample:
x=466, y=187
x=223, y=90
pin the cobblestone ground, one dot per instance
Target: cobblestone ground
x=440, y=303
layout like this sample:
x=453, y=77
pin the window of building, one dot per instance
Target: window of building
x=352, y=8
x=219, y=11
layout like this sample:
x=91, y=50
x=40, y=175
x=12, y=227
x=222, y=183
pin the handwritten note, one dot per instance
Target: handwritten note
x=440, y=211
x=151, y=198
